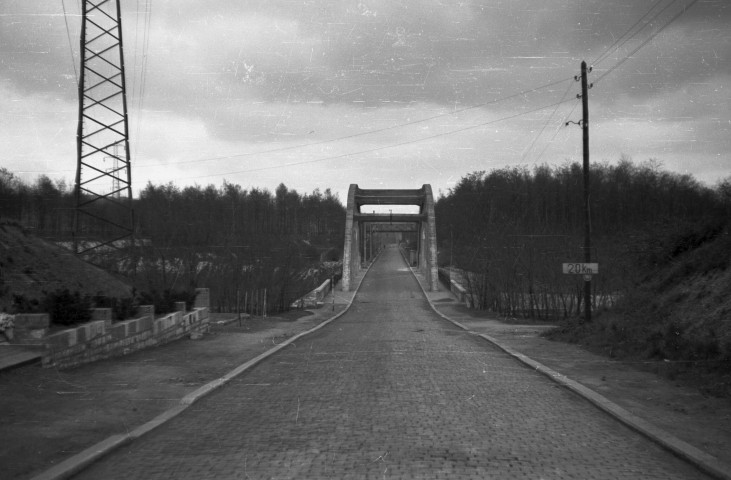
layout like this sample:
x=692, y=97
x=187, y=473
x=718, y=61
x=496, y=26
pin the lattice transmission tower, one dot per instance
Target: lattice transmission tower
x=104, y=217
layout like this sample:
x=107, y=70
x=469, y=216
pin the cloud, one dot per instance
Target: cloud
x=228, y=77
x=34, y=48
x=38, y=133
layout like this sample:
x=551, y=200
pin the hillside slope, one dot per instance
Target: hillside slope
x=679, y=313
x=30, y=266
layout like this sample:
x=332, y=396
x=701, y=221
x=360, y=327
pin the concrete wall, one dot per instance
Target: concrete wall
x=101, y=314
x=429, y=242
x=457, y=288
x=101, y=338
x=351, y=252
x=313, y=298
x=96, y=340
x=202, y=298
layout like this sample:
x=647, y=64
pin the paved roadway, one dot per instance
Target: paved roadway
x=390, y=390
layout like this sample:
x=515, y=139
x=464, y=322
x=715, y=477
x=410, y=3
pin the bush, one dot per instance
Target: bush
x=165, y=302
x=122, y=308
x=66, y=308
x=23, y=304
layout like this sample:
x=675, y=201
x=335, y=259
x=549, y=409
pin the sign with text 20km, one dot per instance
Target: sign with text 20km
x=581, y=268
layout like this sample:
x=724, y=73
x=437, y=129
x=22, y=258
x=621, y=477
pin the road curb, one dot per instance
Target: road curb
x=78, y=462
x=703, y=461
x=73, y=465
x=23, y=359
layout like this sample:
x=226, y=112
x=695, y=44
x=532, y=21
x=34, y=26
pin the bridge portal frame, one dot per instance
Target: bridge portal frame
x=355, y=222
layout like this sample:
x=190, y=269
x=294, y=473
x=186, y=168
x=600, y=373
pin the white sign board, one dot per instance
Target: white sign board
x=581, y=268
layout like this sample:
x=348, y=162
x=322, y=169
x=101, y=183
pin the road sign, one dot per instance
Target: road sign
x=581, y=268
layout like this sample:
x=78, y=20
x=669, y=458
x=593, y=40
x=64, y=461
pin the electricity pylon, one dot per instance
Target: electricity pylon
x=103, y=218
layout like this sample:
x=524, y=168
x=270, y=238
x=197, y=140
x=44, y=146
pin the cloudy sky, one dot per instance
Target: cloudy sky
x=383, y=93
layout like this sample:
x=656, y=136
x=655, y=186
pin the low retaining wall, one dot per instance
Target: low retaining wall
x=32, y=328
x=454, y=279
x=98, y=340
x=460, y=292
x=314, y=298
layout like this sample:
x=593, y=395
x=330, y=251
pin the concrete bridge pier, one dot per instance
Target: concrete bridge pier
x=357, y=222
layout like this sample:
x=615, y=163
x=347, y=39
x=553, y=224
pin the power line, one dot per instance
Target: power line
x=535, y=139
x=143, y=65
x=622, y=40
x=646, y=41
x=617, y=43
x=627, y=36
x=68, y=35
x=615, y=46
x=409, y=142
x=369, y=132
x=561, y=125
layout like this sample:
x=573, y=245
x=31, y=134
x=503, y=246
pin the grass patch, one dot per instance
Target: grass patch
x=676, y=322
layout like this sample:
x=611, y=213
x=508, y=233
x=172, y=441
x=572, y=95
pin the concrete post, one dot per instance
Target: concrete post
x=431, y=239
x=348, y=246
x=202, y=298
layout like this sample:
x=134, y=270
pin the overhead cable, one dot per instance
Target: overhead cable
x=385, y=147
x=646, y=41
x=368, y=132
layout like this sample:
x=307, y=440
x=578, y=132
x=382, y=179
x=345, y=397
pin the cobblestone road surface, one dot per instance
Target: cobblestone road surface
x=390, y=390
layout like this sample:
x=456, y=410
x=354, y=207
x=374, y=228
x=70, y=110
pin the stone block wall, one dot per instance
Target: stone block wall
x=316, y=296
x=102, y=314
x=96, y=340
x=202, y=298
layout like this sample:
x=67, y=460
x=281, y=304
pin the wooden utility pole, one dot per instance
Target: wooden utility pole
x=587, y=210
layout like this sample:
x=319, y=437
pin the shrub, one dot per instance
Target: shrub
x=23, y=304
x=165, y=302
x=122, y=307
x=66, y=308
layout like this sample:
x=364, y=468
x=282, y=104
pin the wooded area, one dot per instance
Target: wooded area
x=512, y=229
x=507, y=231
x=237, y=242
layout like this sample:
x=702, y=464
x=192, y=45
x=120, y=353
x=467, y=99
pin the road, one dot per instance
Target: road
x=391, y=390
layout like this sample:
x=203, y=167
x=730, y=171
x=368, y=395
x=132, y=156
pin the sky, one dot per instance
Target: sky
x=320, y=94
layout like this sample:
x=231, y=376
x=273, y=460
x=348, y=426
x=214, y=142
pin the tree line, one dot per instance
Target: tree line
x=510, y=229
x=235, y=241
x=240, y=242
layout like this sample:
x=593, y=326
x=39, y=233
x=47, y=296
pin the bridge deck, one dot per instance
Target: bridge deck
x=390, y=390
